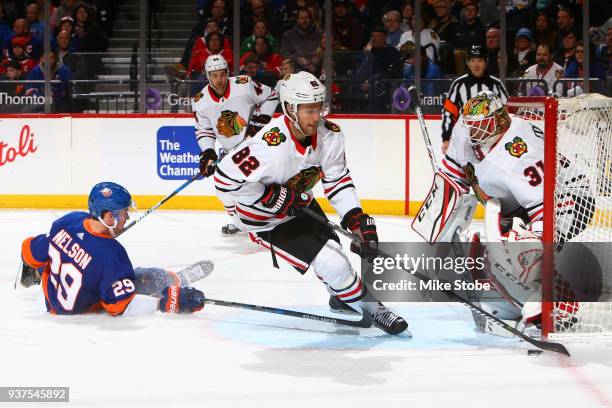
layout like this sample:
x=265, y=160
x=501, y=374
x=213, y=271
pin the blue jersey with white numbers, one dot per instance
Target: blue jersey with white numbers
x=83, y=271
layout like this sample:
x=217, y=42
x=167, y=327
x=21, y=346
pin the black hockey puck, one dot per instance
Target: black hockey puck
x=534, y=352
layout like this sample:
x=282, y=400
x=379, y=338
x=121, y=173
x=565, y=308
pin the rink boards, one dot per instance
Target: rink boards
x=52, y=161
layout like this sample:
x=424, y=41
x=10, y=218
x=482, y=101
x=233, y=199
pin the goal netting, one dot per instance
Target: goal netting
x=577, y=276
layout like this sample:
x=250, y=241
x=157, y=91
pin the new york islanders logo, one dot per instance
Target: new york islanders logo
x=242, y=79
x=230, y=123
x=106, y=192
x=274, y=137
x=517, y=147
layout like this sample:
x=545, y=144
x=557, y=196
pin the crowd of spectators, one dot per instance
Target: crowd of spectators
x=77, y=33
x=374, y=40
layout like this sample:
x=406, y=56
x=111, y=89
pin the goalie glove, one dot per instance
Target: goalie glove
x=364, y=226
x=256, y=123
x=207, y=162
x=181, y=300
x=283, y=199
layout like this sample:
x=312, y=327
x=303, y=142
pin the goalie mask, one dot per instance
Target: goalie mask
x=301, y=88
x=485, y=118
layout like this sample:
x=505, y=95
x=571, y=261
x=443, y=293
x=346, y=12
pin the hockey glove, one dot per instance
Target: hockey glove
x=363, y=225
x=256, y=123
x=181, y=300
x=207, y=162
x=283, y=199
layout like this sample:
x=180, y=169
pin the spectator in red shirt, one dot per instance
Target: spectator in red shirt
x=214, y=45
x=20, y=56
x=270, y=61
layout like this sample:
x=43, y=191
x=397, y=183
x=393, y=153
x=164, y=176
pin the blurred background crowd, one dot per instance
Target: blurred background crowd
x=93, y=55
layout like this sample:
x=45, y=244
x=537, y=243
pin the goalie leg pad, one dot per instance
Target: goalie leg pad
x=446, y=210
x=514, y=261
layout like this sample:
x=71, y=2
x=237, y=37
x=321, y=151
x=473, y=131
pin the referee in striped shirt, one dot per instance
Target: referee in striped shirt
x=465, y=87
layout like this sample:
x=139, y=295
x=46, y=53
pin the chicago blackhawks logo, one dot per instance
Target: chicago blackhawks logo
x=274, y=137
x=476, y=106
x=230, y=123
x=306, y=179
x=198, y=97
x=331, y=126
x=517, y=147
x=242, y=79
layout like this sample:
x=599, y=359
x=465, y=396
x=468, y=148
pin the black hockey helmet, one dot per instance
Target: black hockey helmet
x=476, y=51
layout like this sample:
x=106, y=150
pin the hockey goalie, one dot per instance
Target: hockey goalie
x=501, y=158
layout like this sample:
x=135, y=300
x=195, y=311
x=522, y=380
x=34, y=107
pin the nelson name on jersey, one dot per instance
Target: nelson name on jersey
x=63, y=241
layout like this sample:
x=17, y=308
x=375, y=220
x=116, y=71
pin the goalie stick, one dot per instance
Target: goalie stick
x=549, y=346
x=415, y=104
x=365, y=322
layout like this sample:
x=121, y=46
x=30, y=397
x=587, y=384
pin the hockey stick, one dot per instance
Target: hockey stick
x=550, y=346
x=159, y=204
x=365, y=322
x=415, y=104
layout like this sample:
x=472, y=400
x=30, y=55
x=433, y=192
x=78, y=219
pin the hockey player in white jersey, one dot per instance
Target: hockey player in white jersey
x=228, y=110
x=501, y=157
x=270, y=176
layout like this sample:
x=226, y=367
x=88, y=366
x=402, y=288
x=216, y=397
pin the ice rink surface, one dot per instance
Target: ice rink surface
x=225, y=357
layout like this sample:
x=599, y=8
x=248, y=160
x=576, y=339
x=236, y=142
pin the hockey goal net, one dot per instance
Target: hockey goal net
x=577, y=273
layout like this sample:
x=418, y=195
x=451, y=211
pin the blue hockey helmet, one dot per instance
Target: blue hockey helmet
x=108, y=196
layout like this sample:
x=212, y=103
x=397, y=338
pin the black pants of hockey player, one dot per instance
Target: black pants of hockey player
x=297, y=241
x=304, y=242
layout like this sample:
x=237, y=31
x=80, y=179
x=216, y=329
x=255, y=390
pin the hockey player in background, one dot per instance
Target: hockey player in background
x=501, y=157
x=265, y=182
x=85, y=269
x=228, y=110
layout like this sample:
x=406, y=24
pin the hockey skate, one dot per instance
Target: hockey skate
x=195, y=272
x=338, y=306
x=229, y=229
x=388, y=321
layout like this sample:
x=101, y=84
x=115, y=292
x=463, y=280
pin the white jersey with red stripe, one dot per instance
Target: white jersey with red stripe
x=274, y=156
x=512, y=170
x=225, y=118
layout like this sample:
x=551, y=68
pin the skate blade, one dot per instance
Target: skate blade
x=196, y=272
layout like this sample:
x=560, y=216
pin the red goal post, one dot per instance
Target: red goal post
x=577, y=131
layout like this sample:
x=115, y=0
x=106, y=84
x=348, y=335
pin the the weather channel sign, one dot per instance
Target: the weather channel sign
x=177, y=153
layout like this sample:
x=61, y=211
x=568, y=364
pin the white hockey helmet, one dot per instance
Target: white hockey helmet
x=485, y=117
x=296, y=89
x=215, y=63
